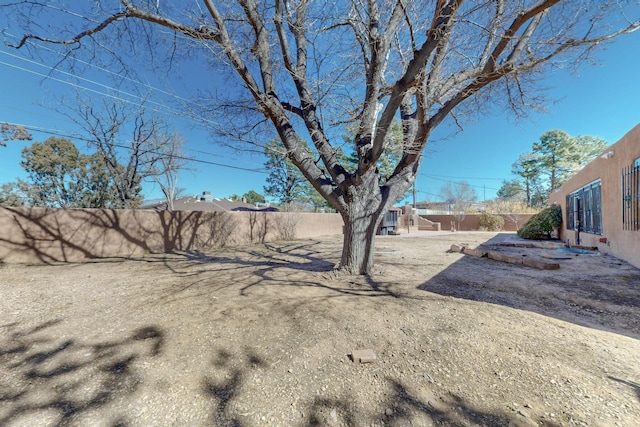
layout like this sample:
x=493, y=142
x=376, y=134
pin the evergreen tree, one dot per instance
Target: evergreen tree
x=61, y=176
x=285, y=182
x=253, y=197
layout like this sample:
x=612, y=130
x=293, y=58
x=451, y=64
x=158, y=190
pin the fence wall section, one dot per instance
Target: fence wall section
x=44, y=235
x=470, y=222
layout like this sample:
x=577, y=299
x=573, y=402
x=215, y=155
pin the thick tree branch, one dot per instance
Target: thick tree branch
x=442, y=22
x=515, y=26
x=261, y=50
x=74, y=40
x=369, y=150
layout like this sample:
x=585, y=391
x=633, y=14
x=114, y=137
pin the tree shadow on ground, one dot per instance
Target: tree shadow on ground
x=411, y=408
x=283, y=266
x=172, y=238
x=403, y=408
x=595, y=291
x=403, y=405
x=61, y=379
x=53, y=236
x=634, y=386
x=227, y=386
x=48, y=235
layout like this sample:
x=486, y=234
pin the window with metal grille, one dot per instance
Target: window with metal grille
x=631, y=197
x=584, y=209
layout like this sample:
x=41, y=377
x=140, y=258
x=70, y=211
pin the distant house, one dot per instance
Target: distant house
x=207, y=203
x=601, y=203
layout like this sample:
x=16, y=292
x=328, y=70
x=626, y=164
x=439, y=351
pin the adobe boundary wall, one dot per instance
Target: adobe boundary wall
x=471, y=222
x=46, y=235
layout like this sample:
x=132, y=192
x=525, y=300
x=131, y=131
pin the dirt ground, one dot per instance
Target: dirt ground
x=260, y=336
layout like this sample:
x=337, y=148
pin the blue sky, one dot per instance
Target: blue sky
x=599, y=99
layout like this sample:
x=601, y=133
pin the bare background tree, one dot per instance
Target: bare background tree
x=133, y=144
x=460, y=196
x=166, y=161
x=310, y=68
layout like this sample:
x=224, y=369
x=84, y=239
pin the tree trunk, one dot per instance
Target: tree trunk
x=360, y=225
x=366, y=204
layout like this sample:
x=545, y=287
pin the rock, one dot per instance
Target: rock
x=475, y=252
x=363, y=356
x=541, y=264
x=511, y=259
x=456, y=248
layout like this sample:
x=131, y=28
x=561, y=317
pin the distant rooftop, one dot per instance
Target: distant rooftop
x=207, y=203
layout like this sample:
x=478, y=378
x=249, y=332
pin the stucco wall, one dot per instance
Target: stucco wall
x=35, y=235
x=624, y=244
x=471, y=222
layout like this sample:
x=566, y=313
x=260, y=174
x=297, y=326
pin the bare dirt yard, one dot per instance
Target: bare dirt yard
x=260, y=336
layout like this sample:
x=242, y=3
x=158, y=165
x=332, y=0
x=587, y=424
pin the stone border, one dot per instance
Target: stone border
x=502, y=257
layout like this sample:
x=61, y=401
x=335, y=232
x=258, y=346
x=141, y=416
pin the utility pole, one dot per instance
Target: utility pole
x=484, y=197
x=414, y=194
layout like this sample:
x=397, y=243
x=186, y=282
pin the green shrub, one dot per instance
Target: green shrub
x=542, y=224
x=490, y=222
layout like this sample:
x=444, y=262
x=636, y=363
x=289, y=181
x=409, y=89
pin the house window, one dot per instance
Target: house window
x=631, y=196
x=584, y=209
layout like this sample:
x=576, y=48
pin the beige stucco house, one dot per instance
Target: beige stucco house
x=601, y=203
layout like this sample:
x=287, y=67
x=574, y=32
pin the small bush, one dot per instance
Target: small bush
x=542, y=224
x=287, y=225
x=490, y=222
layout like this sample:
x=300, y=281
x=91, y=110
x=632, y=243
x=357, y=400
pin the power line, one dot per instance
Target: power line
x=468, y=177
x=87, y=89
x=427, y=193
x=454, y=182
x=96, y=67
x=80, y=137
x=119, y=98
x=215, y=155
x=140, y=99
x=190, y=117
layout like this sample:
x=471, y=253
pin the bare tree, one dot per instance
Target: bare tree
x=460, y=196
x=132, y=145
x=513, y=209
x=165, y=162
x=309, y=67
